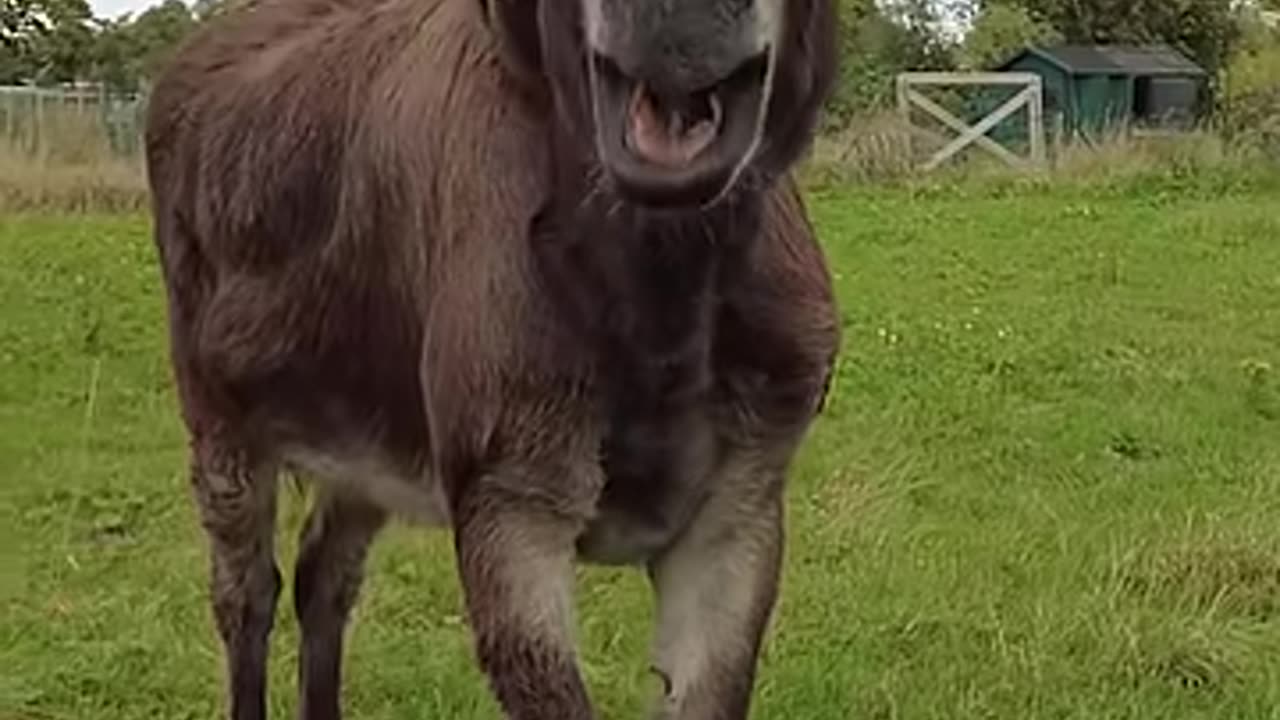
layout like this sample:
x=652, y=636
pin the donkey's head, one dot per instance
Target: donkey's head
x=680, y=102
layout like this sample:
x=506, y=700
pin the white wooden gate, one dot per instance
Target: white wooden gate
x=1031, y=97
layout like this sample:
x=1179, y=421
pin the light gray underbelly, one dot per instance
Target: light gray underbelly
x=367, y=474
x=616, y=535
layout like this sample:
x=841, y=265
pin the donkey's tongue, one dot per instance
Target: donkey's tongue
x=669, y=137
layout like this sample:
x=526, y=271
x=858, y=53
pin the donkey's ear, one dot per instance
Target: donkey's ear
x=515, y=23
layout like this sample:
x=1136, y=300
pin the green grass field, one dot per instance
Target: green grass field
x=1047, y=485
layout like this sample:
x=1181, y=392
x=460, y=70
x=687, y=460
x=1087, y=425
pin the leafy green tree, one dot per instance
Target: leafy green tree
x=62, y=48
x=158, y=32
x=115, y=61
x=878, y=41
x=130, y=51
x=1000, y=30
x=20, y=22
x=1206, y=29
x=18, y=19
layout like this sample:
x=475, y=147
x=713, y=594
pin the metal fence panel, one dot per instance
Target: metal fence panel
x=70, y=121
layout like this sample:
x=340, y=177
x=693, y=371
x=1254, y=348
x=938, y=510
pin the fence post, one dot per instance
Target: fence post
x=9, y=112
x=902, y=88
x=37, y=134
x=1035, y=121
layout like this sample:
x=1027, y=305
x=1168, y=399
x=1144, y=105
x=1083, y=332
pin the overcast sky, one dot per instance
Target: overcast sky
x=114, y=8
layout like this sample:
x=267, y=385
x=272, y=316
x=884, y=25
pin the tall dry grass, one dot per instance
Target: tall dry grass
x=877, y=148
x=68, y=162
x=100, y=185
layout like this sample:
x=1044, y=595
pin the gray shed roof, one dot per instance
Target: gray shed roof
x=1115, y=59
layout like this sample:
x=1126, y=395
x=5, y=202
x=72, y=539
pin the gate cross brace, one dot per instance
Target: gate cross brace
x=976, y=134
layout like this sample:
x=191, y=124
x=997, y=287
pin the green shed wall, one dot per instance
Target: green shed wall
x=1059, y=95
x=1059, y=101
x=1101, y=102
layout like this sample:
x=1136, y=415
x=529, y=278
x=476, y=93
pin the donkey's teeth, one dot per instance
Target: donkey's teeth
x=717, y=110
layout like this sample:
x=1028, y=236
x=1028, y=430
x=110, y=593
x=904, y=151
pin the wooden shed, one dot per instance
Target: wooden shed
x=1091, y=88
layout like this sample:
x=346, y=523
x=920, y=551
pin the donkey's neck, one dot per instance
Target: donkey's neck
x=642, y=288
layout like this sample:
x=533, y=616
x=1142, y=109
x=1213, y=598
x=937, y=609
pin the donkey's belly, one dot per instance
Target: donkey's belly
x=368, y=473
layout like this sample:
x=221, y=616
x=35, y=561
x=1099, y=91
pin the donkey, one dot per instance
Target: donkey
x=535, y=272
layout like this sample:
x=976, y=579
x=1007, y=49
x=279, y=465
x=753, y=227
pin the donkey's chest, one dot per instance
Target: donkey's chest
x=658, y=466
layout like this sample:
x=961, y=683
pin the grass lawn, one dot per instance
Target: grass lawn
x=1047, y=485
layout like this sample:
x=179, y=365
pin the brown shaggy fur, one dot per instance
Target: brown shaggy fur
x=392, y=265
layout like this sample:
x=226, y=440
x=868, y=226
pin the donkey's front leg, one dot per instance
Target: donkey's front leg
x=515, y=556
x=716, y=589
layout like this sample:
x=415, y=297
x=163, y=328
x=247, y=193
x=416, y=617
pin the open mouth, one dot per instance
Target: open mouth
x=666, y=148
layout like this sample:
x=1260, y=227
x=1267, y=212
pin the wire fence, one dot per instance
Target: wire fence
x=70, y=123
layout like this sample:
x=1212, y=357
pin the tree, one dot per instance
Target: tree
x=115, y=61
x=130, y=50
x=1001, y=29
x=63, y=48
x=158, y=32
x=877, y=41
x=44, y=41
x=1207, y=30
x=20, y=20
